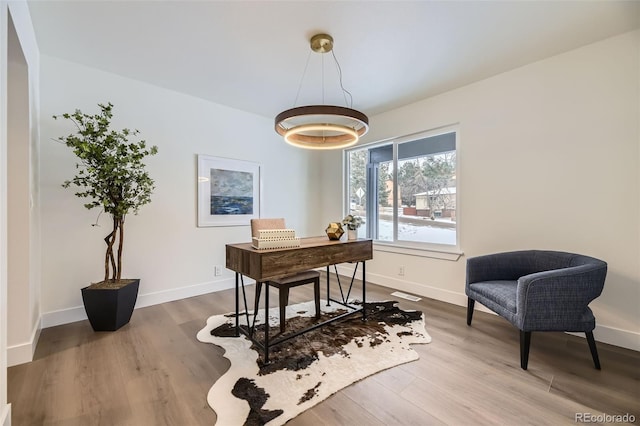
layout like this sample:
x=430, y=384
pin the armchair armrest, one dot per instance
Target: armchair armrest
x=499, y=266
x=555, y=299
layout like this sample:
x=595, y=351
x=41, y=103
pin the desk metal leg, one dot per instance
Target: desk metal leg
x=364, y=293
x=237, y=307
x=328, y=298
x=266, y=323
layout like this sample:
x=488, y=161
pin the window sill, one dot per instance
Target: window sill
x=435, y=253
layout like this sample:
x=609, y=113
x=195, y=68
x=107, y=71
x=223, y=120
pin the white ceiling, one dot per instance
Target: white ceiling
x=251, y=55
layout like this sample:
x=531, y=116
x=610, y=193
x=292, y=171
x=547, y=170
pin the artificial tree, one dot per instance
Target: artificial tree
x=111, y=174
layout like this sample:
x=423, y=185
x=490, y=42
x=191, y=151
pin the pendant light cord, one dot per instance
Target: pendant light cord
x=295, y=102
x=345, y=92
x=322, y=76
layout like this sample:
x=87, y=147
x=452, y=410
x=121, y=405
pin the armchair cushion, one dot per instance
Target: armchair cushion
x=498, y=295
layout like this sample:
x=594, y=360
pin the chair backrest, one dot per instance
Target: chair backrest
x=273, y=223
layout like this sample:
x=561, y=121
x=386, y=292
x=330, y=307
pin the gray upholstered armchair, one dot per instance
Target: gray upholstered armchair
x=538, y=291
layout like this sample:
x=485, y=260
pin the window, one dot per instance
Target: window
x=405, y=189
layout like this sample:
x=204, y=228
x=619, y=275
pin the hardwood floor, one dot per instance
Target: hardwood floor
x=153, y=371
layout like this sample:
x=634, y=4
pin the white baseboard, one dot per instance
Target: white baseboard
x=614, y=336
x=23, y=352
x=65, y=316
x=409, y=287
x=164, y=296
x=5, y=415
x=603, y=333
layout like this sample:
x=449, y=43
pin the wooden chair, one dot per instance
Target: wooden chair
x=285, y=283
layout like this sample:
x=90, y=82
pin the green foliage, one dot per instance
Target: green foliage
x=352, y=222
x=358, y=177
x=430, y=174
x=357, y=174
x=438, y=170
x=384, y=176
x=411, y=181
x=111, y=173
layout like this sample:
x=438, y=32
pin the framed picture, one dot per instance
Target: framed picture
x=228, y=191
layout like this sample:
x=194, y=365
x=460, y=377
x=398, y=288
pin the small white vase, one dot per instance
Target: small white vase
x=353, y=234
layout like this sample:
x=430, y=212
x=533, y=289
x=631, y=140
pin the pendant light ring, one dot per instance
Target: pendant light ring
x=321, y=126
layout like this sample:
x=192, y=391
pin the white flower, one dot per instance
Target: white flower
x=352, y=222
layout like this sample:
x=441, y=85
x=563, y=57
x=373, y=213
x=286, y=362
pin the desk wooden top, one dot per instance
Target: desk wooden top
x=314, y=252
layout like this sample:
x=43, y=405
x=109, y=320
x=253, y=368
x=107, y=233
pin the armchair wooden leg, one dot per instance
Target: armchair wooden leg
x=594, y=350
x=470, y=304
x=525, y=343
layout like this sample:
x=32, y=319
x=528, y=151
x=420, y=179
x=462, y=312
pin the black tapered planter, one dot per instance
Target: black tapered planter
x=108, y=309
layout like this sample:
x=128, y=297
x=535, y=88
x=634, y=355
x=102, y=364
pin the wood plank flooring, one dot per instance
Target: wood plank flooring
x=153, y=371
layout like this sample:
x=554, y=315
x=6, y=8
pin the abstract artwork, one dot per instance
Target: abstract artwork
x=228, y=191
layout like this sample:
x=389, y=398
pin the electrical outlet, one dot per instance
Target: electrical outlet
x=401, y=271
x=217, y=271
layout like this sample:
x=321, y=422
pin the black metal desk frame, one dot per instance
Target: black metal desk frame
x=267, y=343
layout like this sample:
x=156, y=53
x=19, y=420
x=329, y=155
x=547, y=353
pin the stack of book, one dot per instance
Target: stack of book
x=275, y=239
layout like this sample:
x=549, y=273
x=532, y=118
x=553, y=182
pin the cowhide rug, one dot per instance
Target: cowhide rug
x=311, y=367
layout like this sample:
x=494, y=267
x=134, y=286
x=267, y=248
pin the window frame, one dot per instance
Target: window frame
x=414, y=248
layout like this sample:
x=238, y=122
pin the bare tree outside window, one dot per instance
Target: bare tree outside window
x=425, y=171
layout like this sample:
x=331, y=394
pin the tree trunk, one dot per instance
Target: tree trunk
x=110, y=261
x=120, y=241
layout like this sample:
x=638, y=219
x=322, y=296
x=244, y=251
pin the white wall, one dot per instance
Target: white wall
x=548, y=159
x=18, y=335
x=163, y=246
x=5, y=409
x=22, y=212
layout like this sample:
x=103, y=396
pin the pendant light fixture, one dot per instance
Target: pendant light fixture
x=322, y=126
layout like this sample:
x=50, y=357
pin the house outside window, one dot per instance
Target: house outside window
x=406, y=189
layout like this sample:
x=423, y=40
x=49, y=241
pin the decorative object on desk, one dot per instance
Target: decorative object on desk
x=352, y=223
x=311, y=367
x=112, y=175
x=275, y=238
x=334, y=231
x=228, y=191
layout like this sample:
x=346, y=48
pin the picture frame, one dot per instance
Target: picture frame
x=229, y=191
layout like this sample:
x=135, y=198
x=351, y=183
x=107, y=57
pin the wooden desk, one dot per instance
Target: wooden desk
x=314, y=252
